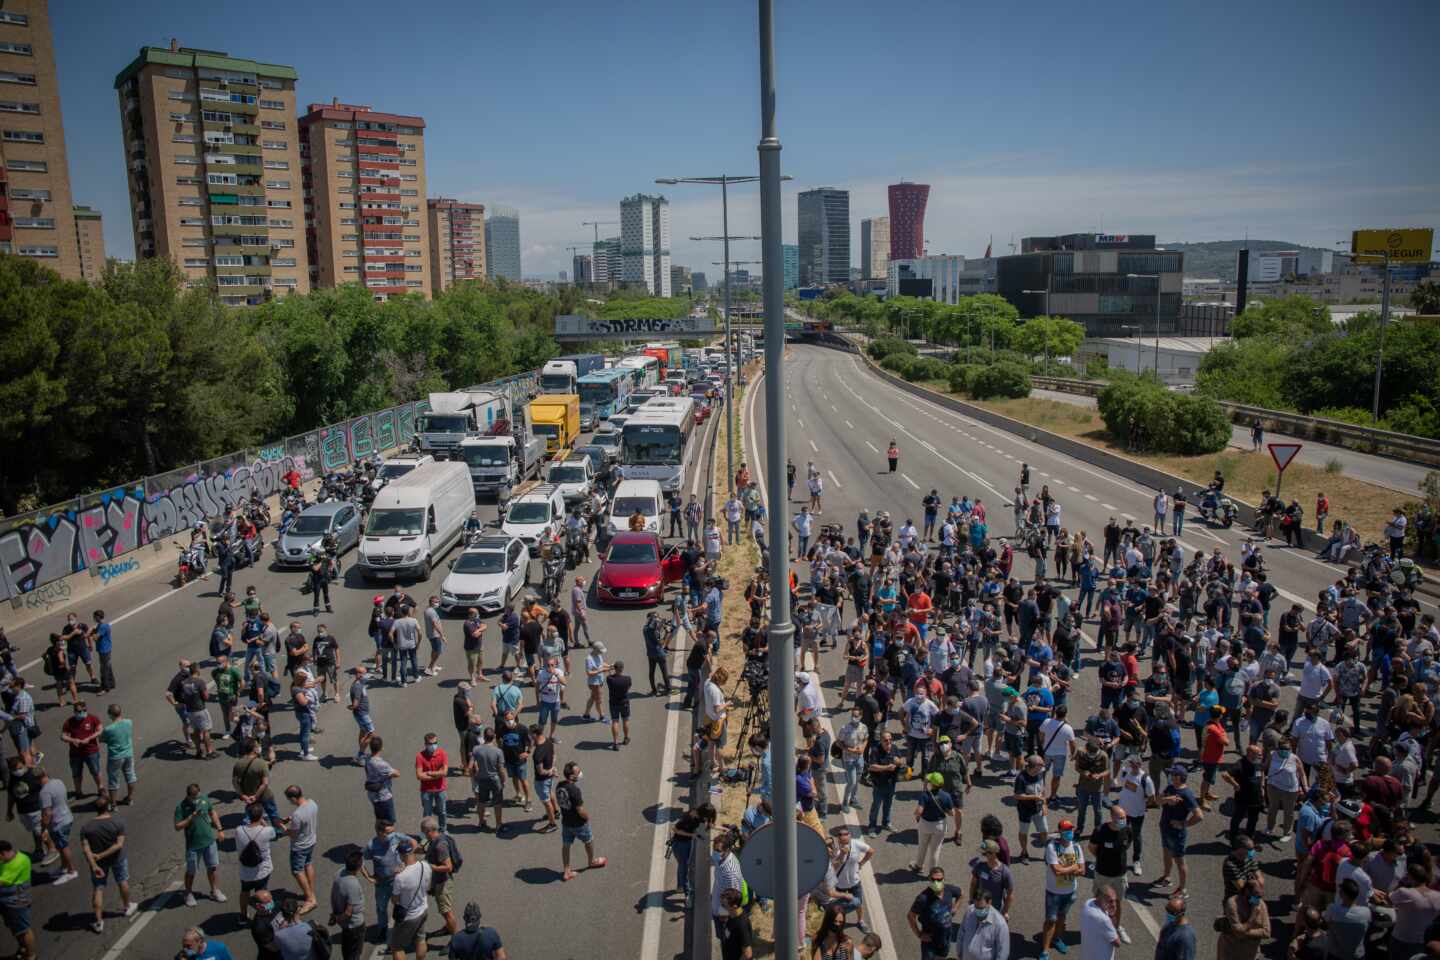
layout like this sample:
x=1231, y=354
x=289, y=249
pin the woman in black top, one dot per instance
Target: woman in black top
x=682, y=842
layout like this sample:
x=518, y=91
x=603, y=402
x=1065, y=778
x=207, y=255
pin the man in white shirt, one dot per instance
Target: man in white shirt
x=803, y=523
x=1313, y=735
x=1098, y=937
x=734, y=510
x=1058, y=739
x=847, y=856
x=1316, y=681
x=409, y=891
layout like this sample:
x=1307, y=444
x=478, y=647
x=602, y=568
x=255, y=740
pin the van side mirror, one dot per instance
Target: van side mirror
x=431, y=526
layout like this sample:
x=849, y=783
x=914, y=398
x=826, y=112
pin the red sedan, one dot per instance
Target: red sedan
x=635, y=569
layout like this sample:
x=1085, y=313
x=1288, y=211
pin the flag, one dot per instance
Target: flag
x=988, y=245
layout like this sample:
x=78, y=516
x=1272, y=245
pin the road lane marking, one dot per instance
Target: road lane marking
x=162, y=903
x=1091, y=497
x=813, y=447
x=907, y=479
x=835, y=480
x=1108, y=506
x=801, y=422
x=872, y=446
x=849, y=425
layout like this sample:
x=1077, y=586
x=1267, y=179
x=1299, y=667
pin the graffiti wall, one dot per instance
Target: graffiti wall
x=94, y=532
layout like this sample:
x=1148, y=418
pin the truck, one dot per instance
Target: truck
x=562, y=374
x=456, y=415
x=501, y=460
x=556, y=418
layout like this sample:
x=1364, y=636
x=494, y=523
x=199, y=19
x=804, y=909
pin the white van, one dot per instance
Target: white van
x=632, y=495
x=415, y=519
x=534, y=516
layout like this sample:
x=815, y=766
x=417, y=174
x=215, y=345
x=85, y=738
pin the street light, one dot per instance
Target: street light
x=1383, y=257
x=724, y=181
x=1156, y=278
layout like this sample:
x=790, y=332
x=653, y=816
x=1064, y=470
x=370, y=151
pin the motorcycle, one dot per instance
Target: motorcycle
x=1223, y=512
x=554, y=567
x=190, y=564
x=257, y=513
x=577, y=546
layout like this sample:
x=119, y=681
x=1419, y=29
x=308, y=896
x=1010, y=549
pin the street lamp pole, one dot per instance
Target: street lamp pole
x=1156, y=278
x=782, y=630
x=1380, y=351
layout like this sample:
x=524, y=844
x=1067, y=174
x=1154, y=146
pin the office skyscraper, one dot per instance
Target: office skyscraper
x=502, y=243
x=824, y=236
x=645, y=243
x=874, y=248
x=907, y=219
x=790, y=253
x=584, y=269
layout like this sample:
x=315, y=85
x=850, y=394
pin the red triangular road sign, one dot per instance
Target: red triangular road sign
x=1283, y=454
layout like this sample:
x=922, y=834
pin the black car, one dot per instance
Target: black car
x=600, y=463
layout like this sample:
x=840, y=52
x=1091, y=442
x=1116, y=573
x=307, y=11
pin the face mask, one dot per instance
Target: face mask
x=855, y=717
x=937, y=885
x=1067, y=835
x=981, y=913
x=1254, y=900
x=1283, y=754
x=1120, y=824
x=429, y=749
x=79, y=711
x=1174, y=916
x=579, y=775
x=187, y=952
x=944, y=748
x=1249, y=854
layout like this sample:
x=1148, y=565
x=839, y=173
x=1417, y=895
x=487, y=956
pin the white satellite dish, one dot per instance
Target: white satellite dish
x=759, y=861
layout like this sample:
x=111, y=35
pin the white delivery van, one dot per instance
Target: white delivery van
x=415, y=519
x=632, y=495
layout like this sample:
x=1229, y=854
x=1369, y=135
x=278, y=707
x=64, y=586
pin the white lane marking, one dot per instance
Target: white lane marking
x=1146, y=920
x=872, y=446
x=1043, y=473
x=801, y=422
x=874, y=906
x=1074, y=489
x=835, y=480
x=141, y=922
x=832, y=408
x=1091, y=496
x=1108, y=506
x=849, y=425
x=907, y=479
x=813, y=447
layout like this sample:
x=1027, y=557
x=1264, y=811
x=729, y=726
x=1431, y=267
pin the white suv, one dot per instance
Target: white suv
x=535, y=515
x=486, y=576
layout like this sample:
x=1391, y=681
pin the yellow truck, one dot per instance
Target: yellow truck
x=556, y=418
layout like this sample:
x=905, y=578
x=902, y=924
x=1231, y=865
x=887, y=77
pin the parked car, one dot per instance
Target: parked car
x=487, y=576
x=635, y=569
x=340, y=519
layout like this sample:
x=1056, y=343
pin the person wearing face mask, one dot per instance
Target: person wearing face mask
x=1313, y=736
x=853, y=738
x=931, y=916
x=1177, y=938
x=575, y=821
x=1179, y=811
x=1239, y=865
x=431, y=766
x=1064, y=865
x=194, y=946
x=81, y=731
x=1110, y=849
x=1285, y=781
x=262, y=926
x=931, y=814
x=983, y=934
x=955, y=776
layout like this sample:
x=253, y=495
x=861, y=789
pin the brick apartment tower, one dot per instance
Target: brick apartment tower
x=90, y=241
x=213, y=164
x=907, y=219
x=35, y=205
x=457, y=241
x=364, y=176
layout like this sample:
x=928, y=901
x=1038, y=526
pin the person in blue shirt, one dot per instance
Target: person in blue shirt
x=978, y=533
x=104, y=646
x=1086, y=596
x=1039, y=702
x=476, y=942
x=194, y=946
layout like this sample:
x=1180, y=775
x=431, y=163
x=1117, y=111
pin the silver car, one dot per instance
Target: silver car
x=339, y=519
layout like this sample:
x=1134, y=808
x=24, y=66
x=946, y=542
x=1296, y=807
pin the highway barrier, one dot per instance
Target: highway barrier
x=61, y=553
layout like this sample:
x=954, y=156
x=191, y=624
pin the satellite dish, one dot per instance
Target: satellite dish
x=760, y=862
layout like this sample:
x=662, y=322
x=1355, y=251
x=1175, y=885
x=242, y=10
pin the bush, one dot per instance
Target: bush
x=1144, y=416
x=1004, y=380
x=962, y=375
x=927, y=368
x=886, y=346
x=898, y=362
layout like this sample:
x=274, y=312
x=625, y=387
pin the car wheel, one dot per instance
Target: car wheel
x=425, y=570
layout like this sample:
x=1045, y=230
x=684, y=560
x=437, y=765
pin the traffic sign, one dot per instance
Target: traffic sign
x=1283, y=454
x=760, y=863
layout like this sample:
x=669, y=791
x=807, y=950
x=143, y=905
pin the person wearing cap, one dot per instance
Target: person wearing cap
x=931, y=814
x=950, y=765
x=1179, y=811
x=409, y=891
x=1064, y=865
x=988, y=872
x=476, y=942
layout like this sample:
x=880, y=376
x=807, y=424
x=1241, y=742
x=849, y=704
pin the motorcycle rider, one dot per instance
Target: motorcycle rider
x=319, y=578
x=473, y=526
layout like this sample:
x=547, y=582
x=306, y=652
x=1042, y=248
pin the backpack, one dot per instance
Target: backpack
x=457, y=859
x=250, y=855
x=320, y=943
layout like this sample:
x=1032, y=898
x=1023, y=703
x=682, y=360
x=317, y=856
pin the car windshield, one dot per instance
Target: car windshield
x=490, y=561
x=631, y=553
x=442, y=423
x=530, y=511
x=392, y=470
x=547, y=430
x=609, y=441
x=310, y=524
x=629, y=506
x=567, y=474
x=489, y=456
x=396, y=523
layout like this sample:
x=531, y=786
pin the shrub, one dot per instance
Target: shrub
x=897, y=362
x=927, y=368
x=1144, y=416
x=886, y=346
x=962, y=375
x=1000, y=380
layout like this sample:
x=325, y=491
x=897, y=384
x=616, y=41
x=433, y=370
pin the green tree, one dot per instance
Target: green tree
x=1049, y=336
x=1425, y=298
x=1293, y=316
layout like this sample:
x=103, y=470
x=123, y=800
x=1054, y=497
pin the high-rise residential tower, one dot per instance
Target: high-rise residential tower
x=874, y=248
x=790, y=257
x=457, y=242
x=583, y=265
x=502, y=243
x=605, y=255
x=364, y=177
x=213, y=161
x=645, y=243
x=90, y=242
x=36, y=218
x=680, y=281
x=824, y=228
x=907, y=219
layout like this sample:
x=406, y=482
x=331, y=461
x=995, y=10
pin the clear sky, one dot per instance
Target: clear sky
x=1193, y=121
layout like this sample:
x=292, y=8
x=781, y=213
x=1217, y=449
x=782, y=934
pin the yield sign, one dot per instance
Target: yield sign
x=1283, y=454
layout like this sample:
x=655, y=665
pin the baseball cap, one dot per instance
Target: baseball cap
x=989, y=846
x=944, y=739
x=1351, y=809
x=405, y=846
x=1176, y=769
x=935, y=779
x=1066, y=825
x=379, y=600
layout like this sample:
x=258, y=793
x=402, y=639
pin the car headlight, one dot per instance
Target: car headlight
x=413, y=555
x=653, y=588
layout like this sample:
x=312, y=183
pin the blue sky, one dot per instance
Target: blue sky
x=1195, y=122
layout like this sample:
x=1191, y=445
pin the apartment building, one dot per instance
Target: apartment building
x=90, y=243
x=363, y=173
x=212, y=156
x=457, y=241
x=35, y=203
x=645, y=243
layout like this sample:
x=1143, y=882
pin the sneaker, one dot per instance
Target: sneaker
x=1060, y=947
x=65, y=877
x=189, y=899
x=1136, y=870
x=308, y=756
x=50, y=858
x=1287, y=838
x=98, y=926
x=1123, y=935
x=132, y=909
x=218, y=896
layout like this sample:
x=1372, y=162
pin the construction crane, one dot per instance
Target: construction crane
x=597, y=224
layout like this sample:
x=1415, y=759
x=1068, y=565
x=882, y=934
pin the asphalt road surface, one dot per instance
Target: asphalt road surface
x=516, y=877
x=841, y=415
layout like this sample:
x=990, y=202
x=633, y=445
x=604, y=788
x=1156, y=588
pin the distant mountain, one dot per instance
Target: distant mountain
x=1217, y=257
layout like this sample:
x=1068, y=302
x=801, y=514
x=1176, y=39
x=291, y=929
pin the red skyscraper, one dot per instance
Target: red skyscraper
x=907, y=219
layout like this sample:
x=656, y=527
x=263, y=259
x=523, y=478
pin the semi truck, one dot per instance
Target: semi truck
x=501, y=462
x=562, y=375
x=456, y=415
x=556, y=418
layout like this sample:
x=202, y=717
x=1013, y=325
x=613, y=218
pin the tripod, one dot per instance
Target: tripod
x=756, y=720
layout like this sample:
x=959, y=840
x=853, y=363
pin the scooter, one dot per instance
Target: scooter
x=1222, y=512
x=190, y=564
x=554, y=566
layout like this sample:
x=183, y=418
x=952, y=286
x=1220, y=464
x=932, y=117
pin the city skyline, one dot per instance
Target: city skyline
x=1296, y=179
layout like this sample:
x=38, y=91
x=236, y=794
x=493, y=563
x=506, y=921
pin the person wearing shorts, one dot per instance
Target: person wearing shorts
x=15, y=900
x=1179, y=810
x=487, y=780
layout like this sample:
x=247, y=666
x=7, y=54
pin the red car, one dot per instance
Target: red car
x=635, y=569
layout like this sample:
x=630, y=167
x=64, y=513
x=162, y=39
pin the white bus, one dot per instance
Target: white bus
x=655, y=441
x=648, y=370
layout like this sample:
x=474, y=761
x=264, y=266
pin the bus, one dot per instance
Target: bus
x=656, y=440
x=648, y=370
x=604, y=392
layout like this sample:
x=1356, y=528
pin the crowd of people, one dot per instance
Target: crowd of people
x=959, y=676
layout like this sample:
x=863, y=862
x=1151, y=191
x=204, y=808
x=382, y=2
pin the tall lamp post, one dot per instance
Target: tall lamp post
x=729, y=391
x=1156, y=278
x=723, y=181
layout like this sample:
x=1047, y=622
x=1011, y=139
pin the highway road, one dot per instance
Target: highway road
x=516, y=877
x=841, y=416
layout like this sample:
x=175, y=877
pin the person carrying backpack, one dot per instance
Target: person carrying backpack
x=476, y=942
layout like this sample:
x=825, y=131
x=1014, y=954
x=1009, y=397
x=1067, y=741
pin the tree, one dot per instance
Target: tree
x=1293, y=316
x=1049, y=336
x=1425, y=298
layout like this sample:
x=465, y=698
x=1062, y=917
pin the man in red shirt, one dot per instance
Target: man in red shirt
x=1380, y=786
x=431, y=765
x=291, y=479
x=1216, y=740
x=81, y=731
x=918, y=606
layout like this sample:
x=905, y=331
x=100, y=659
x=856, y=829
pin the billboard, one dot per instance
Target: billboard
x=575, y=327
x=1403, y=246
